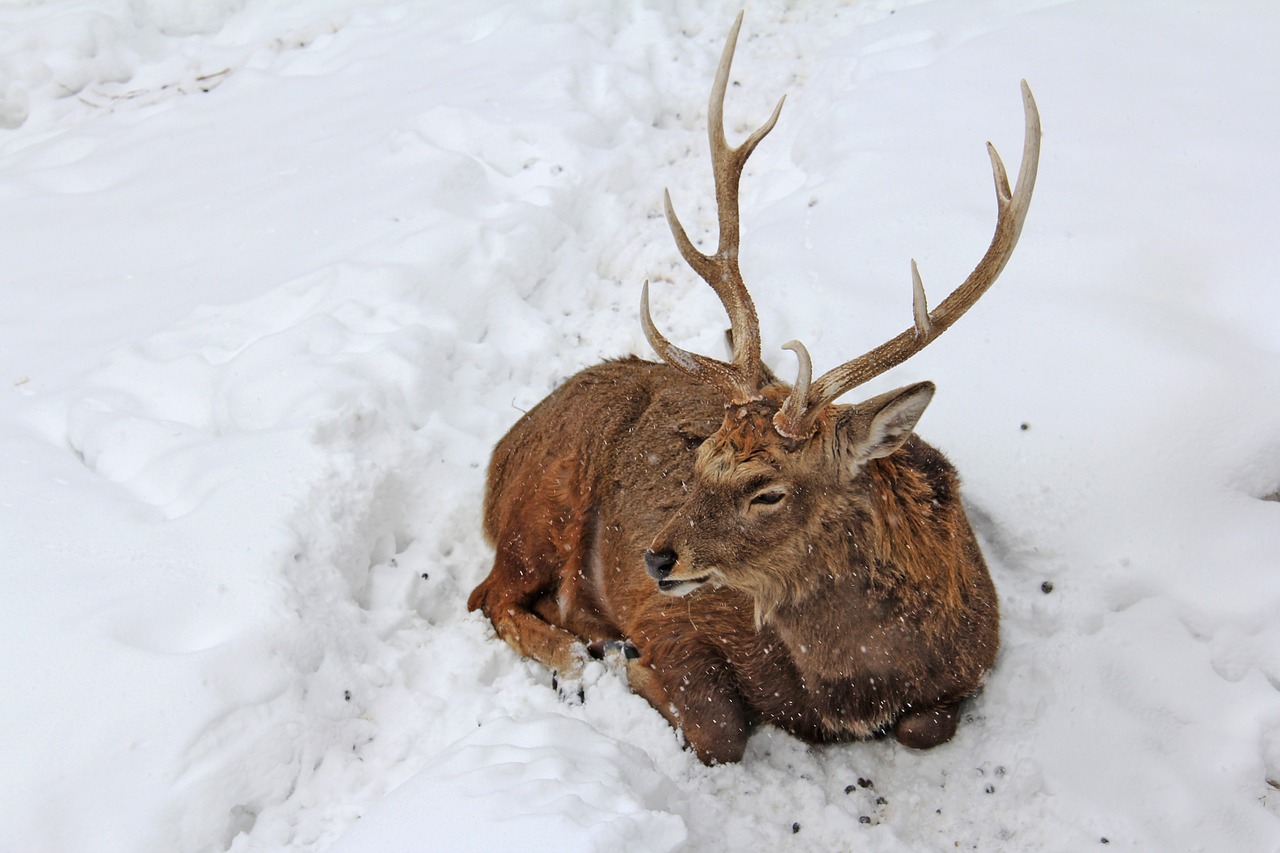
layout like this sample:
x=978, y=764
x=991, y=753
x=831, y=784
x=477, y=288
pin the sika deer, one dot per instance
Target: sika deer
x=762, y=554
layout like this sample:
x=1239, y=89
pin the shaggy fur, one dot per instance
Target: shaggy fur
x=834, y=586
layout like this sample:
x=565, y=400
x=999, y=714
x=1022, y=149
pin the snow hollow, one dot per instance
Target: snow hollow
x=277, y=274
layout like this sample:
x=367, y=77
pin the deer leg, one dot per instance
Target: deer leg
x=697, y=697
x=510, y=606
x=535, y=638
x=928, y=727
x=574, y=607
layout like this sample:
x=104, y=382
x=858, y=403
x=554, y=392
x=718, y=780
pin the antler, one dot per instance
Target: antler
x=740, y=380
x=797, y=417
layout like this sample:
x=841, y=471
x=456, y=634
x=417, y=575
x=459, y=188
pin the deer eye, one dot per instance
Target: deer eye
x=769, y=497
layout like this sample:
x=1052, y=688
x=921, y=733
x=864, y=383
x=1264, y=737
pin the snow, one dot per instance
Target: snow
x=277, y=274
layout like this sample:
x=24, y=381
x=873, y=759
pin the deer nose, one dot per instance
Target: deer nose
x=659, y=563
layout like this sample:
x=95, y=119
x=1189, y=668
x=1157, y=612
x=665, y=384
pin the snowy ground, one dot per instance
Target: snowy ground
x=276, y=275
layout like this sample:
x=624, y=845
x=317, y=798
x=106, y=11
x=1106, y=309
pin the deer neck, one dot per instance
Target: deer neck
x=892, y=575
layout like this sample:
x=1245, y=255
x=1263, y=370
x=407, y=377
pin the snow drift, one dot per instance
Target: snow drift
x=276, y=275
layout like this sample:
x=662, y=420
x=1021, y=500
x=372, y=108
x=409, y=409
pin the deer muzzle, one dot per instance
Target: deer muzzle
x=661, y=565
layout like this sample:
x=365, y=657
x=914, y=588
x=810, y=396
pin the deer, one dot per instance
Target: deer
x=746, y=551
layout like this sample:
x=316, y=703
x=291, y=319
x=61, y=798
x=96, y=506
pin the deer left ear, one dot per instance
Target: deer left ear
x=879, y=426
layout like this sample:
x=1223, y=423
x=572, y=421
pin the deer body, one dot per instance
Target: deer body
x=768, y=556
x=862, y=636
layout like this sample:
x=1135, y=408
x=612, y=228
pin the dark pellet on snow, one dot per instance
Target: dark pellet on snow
x=1046, y=587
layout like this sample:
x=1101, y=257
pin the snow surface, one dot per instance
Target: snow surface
x=276, y=275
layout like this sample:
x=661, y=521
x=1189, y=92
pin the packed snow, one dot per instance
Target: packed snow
x=277, y=274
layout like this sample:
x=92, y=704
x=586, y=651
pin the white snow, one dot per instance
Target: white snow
x=277, y=274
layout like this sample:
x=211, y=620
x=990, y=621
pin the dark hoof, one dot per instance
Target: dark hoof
x=570, y=692
x=603, y=648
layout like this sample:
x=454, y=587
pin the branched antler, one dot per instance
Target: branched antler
x=799, y=413
x=741, y=379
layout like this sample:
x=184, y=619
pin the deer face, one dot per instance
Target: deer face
x=760, y=501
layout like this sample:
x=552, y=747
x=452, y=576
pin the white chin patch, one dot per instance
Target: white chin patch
x=681, y=588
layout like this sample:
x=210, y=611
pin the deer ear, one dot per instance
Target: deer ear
x=879, y=426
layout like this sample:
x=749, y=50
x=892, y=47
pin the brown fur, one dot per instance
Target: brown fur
x=859, y=603
x=780, y=559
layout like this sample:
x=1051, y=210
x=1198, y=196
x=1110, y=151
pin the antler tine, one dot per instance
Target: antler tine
x=1012, y=212
x=792, y=410
x=720, y=270
x=700, y=367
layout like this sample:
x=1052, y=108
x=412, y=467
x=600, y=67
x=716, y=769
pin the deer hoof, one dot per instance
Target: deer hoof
x=570, y=690
x=612, y=649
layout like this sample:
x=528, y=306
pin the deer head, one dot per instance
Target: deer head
x=788, y=462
